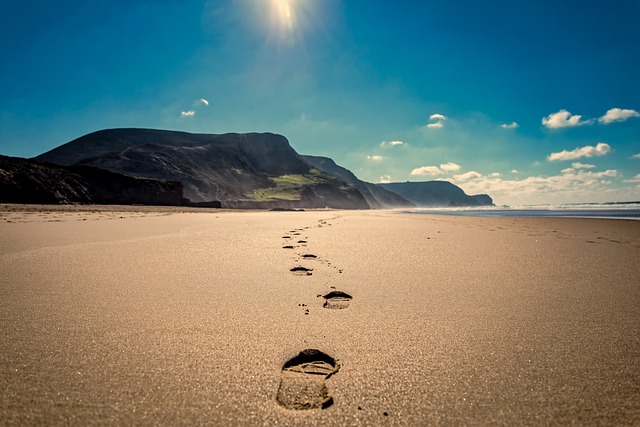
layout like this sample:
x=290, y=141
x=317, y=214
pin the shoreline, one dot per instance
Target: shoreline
x=157, y=317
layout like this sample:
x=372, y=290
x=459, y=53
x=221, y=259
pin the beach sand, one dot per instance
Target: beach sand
x=165, y=316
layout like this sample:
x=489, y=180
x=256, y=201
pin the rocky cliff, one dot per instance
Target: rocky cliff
x=29, y=181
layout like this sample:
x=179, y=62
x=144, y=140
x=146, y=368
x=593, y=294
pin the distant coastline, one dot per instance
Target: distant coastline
x=608, y=210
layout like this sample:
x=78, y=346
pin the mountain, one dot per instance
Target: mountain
x=253, y=170
x=376, y=197
x=29, y=181
x=436, y=193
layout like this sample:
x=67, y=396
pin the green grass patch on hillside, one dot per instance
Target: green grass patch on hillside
x=289, y=187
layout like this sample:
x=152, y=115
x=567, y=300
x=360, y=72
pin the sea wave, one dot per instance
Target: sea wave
x=613, y=210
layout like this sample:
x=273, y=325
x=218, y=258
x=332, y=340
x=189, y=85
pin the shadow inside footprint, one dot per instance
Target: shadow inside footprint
x=301, y=271
x=337, y=300
x=302, y=384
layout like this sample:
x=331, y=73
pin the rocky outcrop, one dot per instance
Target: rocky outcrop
x=436, y=194
x=376, y=197
x=29, y=181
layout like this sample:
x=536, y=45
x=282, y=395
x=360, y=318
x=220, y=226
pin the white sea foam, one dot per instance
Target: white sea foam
x=615, y=210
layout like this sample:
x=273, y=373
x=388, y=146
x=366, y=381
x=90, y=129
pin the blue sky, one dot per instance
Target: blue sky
x=528, y=101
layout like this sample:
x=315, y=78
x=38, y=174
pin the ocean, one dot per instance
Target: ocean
x=615, y=210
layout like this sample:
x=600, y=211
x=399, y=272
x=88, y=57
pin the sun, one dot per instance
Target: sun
x=283, y=14
x=288, y=19
x=285, y=24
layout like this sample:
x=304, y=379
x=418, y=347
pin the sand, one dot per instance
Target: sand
x=162, y=316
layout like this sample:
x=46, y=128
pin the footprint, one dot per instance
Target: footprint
x=309, y=256
x=337, y=300
x=302, y=241
x=288, y=247
x=301, y=271
x=302, y=384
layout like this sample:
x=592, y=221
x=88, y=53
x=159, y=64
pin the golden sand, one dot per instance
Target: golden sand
x=113, y=315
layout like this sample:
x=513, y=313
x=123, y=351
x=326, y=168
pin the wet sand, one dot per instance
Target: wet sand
x=162, y=316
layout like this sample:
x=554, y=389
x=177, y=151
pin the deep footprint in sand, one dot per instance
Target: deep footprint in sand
x=303, y=381
x=337, y=300
x=301, y=271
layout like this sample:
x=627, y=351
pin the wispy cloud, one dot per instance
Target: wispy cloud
x=392, y=143
x=578, y=165
x=636, y=156
x=438, y=121
x=564, y=119
x=375, y=157
x=634, y=179
x=196, y=104
x=385, y=179
x=617, y=115
x=512, y=125
x=601, y=149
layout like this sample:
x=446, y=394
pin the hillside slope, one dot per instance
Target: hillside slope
x=436, y=193
x=377, y=197
x=242, y=170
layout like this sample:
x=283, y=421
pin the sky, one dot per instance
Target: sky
x=529, y=101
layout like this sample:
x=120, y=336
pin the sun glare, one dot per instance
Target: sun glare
x=288, y=20
x=283, y=14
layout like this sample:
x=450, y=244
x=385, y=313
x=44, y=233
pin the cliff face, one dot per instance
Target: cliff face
x=28, y=181
x=436, y=194
x=257, y=170
x=376, y=197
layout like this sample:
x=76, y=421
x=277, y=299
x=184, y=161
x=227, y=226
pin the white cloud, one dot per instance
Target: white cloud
x=375, y=157
x=427, y=170
x=435, y=170
x=391, y=143
x=563, y=119
x=467, y=176
x=600, y=149
x=495, y=175
x=610, y=173
x=617, y=115
x=438, y=120
x=203, y=101
x=514, y=171
x=569, y=186
x=450, y=167
x=512, y=125
x=189, y=113
x=578, y=165
x=636, y=156
x=385, y=179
